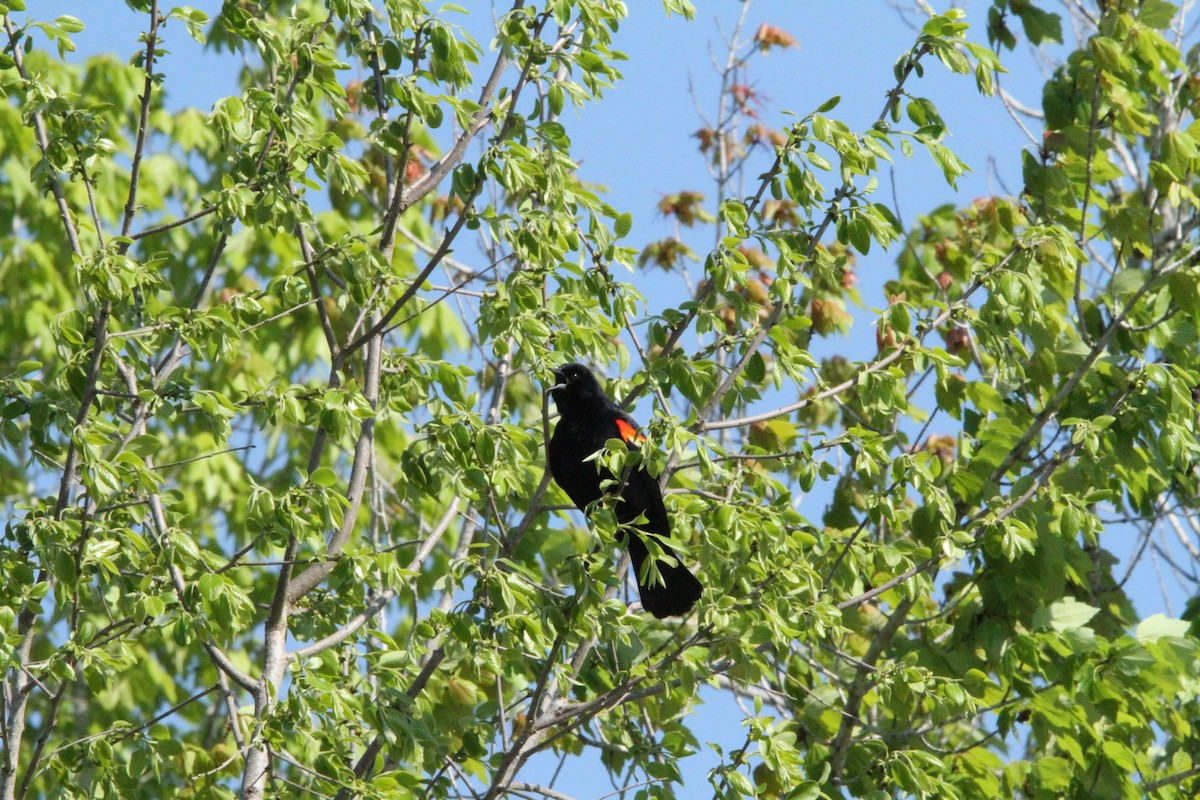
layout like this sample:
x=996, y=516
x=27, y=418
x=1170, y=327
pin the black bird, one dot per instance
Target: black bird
x=588, y=419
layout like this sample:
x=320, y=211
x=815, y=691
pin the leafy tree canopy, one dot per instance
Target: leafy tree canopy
x=277, y=515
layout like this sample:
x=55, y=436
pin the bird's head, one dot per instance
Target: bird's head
x=576, y=389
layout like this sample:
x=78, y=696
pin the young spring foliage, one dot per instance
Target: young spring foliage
x=276, y=513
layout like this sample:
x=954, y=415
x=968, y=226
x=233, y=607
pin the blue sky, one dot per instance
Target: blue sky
x=637, y=142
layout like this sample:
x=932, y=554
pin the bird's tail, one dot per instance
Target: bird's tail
x=678, y=590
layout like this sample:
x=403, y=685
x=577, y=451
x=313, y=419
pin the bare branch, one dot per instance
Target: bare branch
x=166, y=226
x=310, y=270
x=311, y=577
x=143, y=121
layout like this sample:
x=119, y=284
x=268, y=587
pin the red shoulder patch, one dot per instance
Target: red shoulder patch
x=628, y=432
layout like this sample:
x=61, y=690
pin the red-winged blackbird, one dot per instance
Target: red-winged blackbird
x=588, y=419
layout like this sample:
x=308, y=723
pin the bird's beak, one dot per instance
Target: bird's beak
x=559, y=381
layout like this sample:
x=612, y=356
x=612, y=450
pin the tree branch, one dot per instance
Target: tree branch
x=43, y=142
x=381, y=600
x=830, y=217
x=143, y=122
x=897, y=353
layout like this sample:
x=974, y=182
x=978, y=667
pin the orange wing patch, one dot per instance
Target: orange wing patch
x=629, y=433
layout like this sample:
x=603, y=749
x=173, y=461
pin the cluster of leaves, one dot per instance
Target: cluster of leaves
x=277, y=511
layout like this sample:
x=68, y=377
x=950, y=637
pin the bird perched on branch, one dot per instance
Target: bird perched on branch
x=588, y=419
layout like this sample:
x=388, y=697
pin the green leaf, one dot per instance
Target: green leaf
x=1185, y=290
x=829, y=104
x=1157, y=13
x=211, y=586
x=193, y=19
x=1053, y=774
x=1179, y=153
x=589, y=61
x=736, y=216
x=69, y=24
x=1040, y=26
x=818, y=161
x=756, y=368
x=1107, y=53
x=463, y=180
x=952, y=166
x=1065, y=615
x=1158, y=626
x=323, y=476
x=623, y=224
x=556, y=97
x=145, y=445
